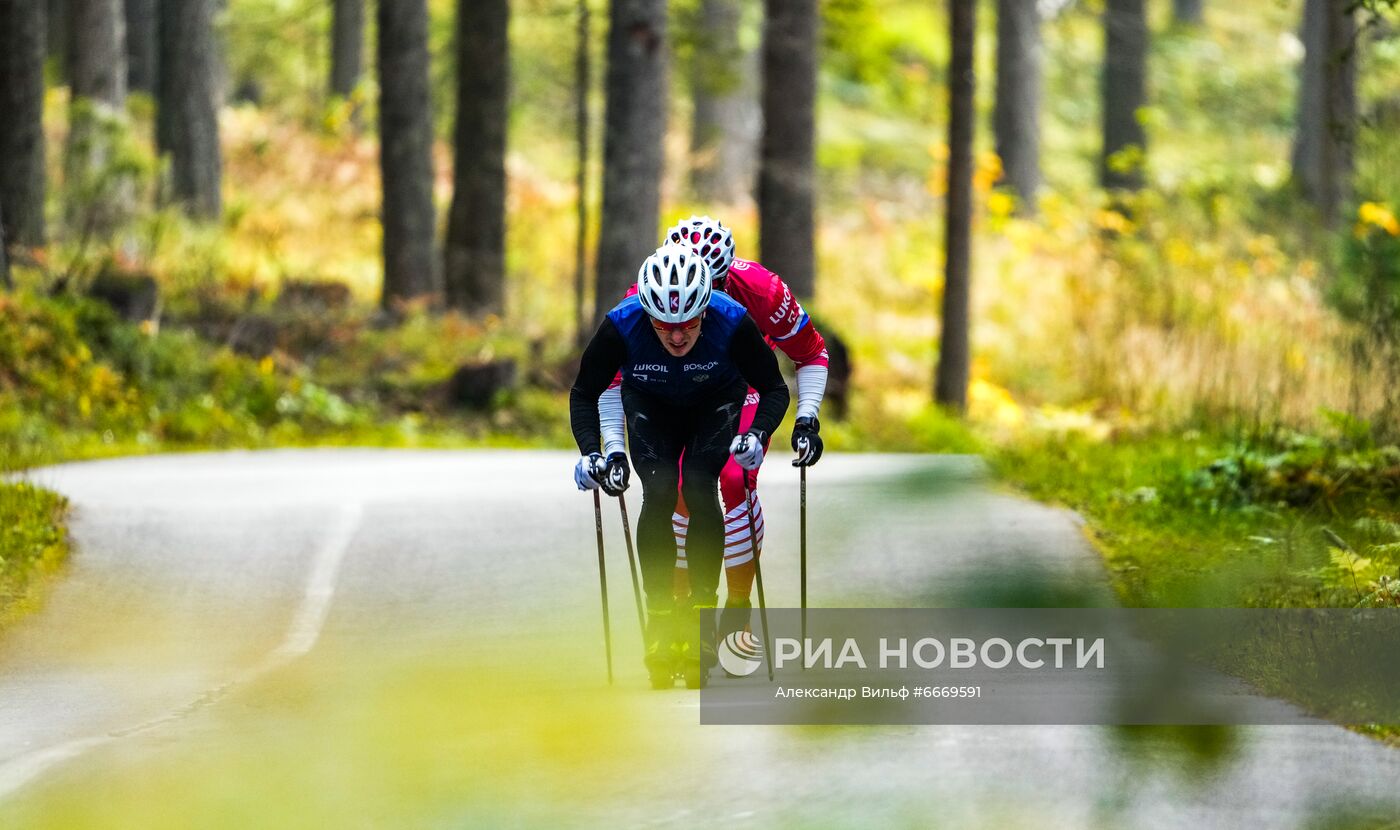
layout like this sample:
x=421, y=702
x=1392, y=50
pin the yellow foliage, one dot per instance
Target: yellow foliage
x=1379, y=215
x=1297, y=358
x=1178, y=251
x=988, y=172
x=1112, y=220
x=1000, y=205
x=991, y=403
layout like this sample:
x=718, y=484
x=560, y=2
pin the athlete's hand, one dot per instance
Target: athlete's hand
x=616, y=474
x=747, y=450
x=589, y=472
x=806, y=442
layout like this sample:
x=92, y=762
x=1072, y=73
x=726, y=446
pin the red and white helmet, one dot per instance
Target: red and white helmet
x=674, y=284
x=708, y=238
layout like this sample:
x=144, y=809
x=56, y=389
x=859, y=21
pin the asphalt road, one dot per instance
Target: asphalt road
x=316, y=638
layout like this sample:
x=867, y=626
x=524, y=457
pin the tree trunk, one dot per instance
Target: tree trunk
x=405, y=151
x=142, y=46
x=582, y=86
x=1326, y=116
x=726, y=124
x=786, y=165
x=56, y=37
x=1124, y=93
x=97, y=51
x=22, y=179
x=1188, y=12
x=347, y=46
x=634, y=129
x=475, y=256
x=1309, y=118
x=94, y=199
x=187, y=122
x=4, y=255
x=1339, y=99
x=950, y=380
x=1017, y=115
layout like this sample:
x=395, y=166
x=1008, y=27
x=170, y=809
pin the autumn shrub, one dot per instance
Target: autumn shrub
x=74, y=376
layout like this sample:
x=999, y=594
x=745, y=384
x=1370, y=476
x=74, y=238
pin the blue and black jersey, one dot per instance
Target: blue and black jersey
x=730, y=348
x=679, y=380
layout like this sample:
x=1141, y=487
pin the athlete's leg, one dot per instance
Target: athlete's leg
x=714, y=426
x=738, y=551
x=655, y=441
x=680, y=523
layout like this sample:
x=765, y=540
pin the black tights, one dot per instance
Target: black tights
x=685, y=447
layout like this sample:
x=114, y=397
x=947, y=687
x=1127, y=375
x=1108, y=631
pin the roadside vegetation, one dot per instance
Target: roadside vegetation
x=33, y=544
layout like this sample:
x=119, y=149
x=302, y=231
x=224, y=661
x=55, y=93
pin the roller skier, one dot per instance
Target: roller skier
x=687, y=356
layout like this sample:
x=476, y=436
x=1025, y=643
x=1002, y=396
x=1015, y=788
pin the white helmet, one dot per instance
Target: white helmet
x=708, y=238
x=674, y=284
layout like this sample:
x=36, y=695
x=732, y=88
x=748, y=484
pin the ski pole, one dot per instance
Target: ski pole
x=603, y=581
x=802, y=559
x=758, y=577
x=632, y=565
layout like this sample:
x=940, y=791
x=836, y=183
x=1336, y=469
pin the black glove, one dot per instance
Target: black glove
x=806, y=442
x=616, y=475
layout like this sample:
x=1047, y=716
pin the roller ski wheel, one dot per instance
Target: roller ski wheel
x=698, y=661
x=662, y=677
x=661, y=654
x=697, y=676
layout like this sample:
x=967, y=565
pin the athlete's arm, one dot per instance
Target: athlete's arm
x=611, y=416
x=756, y=363
x=782, y=319
x=612, y=419
x=601, y=360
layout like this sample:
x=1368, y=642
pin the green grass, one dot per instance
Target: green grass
x=1213, y=520
x=33, y=544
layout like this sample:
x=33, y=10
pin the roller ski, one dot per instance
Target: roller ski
x=698, y=655
x=663, y=650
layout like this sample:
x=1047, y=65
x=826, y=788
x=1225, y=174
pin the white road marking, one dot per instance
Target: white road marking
x=301, y=636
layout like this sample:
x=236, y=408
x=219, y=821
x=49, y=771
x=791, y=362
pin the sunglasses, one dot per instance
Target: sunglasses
x=688, y=326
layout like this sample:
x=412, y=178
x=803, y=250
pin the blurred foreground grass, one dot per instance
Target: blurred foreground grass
x=390, y=734
x=33, y=543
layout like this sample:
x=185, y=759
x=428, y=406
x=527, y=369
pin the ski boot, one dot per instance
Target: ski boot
x=662, y=656
x=735, y=617
x=698, y=652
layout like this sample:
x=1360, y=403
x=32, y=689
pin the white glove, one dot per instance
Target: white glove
x=747, y=450
x=589, y=471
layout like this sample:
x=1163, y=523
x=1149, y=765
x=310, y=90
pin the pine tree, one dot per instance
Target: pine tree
x=786, y=178
x=951, y=376
x=474, y=272
x=633, y=130
x=405, y=151
x=1016, y=119
x=22, y=177
x=187, y=121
